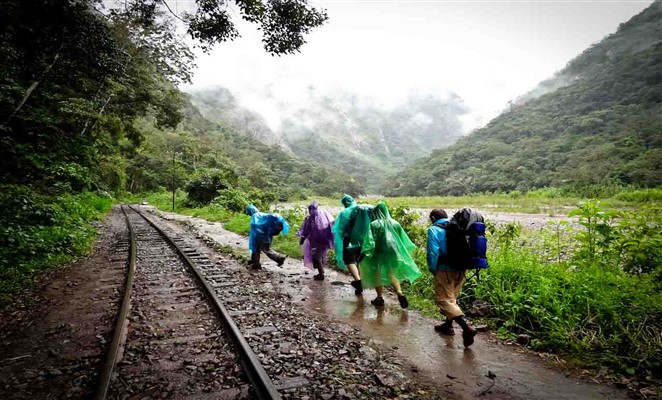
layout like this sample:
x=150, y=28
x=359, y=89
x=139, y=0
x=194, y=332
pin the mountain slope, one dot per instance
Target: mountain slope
x=220, y=105
x=202, y=146
x=345, y=133
x=599, y=122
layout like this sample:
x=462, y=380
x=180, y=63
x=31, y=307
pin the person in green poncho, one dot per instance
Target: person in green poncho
x=388, y=256
x=349, y=231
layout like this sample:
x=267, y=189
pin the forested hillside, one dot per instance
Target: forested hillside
x=200, y=150
x=343, y=132
x=89, y=109
x=598, y=121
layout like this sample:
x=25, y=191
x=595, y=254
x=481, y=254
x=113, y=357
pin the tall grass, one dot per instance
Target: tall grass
x=593, y=311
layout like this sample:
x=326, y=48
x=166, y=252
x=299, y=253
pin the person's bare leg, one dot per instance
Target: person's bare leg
x=396, y=285
x=353, y=269
x=380, y=291
x=404, y=303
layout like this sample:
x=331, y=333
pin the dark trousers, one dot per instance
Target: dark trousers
x=266, y=249
x=318, y=261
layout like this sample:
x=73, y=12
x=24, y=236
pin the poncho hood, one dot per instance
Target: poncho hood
x=347, y=201
x=313, y=207
x=380, y=211
x=251, y=209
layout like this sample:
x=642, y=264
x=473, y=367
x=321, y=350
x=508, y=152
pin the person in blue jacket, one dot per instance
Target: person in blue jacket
x=264, y=227
x=447, y=280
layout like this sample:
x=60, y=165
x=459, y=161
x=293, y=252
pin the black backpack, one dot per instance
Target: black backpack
x=465, y=241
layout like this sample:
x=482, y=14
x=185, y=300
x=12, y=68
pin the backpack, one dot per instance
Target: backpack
x=277, y=226
x=466, y=243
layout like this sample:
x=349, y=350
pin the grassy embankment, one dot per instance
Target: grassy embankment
x=591, y=293
x=40, y=232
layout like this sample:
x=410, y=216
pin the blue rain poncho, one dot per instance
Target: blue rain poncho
x=264, y=227
x=388, y=252
x=350, y=228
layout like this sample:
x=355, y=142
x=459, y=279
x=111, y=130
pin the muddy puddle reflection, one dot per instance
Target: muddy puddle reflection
x=442, y=360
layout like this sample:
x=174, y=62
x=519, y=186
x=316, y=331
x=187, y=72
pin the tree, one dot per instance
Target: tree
x=73, y=81
x=283, y=23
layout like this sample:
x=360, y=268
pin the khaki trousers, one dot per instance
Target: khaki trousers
x=447, y=287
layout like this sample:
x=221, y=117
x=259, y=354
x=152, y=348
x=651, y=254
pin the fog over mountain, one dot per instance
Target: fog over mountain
x=596, y=122
x=342, y=130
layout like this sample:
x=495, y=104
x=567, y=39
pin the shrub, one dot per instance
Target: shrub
x=206, y=186
x=233, y=199
x=38, y=232
x=641, y=195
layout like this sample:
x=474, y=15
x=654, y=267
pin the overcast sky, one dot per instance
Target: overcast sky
x=488, y=52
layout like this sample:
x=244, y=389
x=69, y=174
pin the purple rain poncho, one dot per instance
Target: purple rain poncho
x=316, y=229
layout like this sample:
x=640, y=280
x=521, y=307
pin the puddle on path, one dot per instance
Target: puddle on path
x=441, y=360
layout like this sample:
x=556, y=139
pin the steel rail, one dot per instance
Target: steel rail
x=119, y=333
x=260, y=381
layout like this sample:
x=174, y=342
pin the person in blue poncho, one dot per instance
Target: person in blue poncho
x=264, y=227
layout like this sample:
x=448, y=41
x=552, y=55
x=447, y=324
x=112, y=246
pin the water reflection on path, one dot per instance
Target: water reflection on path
x=459, y=372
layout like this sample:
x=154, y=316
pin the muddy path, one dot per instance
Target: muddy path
x=489, y=370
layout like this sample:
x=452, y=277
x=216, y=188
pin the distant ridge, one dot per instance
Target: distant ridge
x=597, y=121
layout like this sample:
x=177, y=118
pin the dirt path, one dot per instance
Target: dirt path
x=442, y=361
x=51, y=348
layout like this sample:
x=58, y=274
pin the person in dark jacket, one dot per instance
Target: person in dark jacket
x=264, y=227
x=448, y=281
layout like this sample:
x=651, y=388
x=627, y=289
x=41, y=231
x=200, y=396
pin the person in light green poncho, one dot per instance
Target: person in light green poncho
x=388, y=260
x=349, y=231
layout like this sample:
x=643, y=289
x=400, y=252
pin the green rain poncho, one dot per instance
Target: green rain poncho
x=387, y=250
x=351, y=227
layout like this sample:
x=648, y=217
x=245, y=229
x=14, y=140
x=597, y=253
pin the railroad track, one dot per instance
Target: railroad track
x=174, y=338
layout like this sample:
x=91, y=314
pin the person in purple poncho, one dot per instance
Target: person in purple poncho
x=316, y=238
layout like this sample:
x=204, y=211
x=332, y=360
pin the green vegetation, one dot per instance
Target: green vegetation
x=591, y=293
x=89, y=109
x=598, y=123
x=68, y=99
x=214, y=159
x=39, y=232
x=550, y=201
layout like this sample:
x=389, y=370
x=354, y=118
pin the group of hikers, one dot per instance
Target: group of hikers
x=377, y=252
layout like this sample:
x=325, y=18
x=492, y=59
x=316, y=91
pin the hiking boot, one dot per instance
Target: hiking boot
x=255, y=266
x=378, y=301
x=403, y=301
x=358, y=287
x=445, y=329
x=319, y=277
x=281, y=262
x=468, y=336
